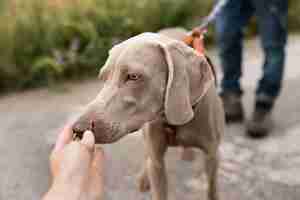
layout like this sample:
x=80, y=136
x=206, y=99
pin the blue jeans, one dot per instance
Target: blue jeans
x=271, y=17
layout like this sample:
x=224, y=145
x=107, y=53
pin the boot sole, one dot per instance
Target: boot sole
x=234, y=118
x=255, y=132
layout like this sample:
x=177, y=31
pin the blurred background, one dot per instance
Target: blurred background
x=43, y=41
x=63, y=43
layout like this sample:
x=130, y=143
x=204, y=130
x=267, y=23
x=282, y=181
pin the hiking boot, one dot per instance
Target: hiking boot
x=261, y=122
x=233, y=107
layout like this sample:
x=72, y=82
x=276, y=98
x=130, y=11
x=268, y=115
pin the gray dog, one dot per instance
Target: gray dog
x=160, y=85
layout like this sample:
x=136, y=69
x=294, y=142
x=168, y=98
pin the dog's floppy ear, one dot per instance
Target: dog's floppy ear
x=178, y=108
x=189, y=77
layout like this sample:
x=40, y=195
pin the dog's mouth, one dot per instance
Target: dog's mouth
x=78, y=135
x=103, y=135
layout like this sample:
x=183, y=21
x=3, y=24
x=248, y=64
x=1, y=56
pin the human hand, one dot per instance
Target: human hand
x=76, y=168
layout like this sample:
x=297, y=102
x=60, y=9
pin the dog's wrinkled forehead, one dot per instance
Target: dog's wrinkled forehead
x=140, y=50
x=127, y=47
x=141, y=40
x=146, y=37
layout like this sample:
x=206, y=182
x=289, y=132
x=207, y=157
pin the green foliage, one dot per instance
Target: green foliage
x=294, y=17
x=42, y=42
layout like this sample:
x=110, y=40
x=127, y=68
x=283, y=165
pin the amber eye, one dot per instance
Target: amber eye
x=133, y=77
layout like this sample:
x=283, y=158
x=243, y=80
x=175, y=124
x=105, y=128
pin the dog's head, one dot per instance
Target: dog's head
x=145, y=77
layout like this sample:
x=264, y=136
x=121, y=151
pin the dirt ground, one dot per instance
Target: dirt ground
x=250, y=169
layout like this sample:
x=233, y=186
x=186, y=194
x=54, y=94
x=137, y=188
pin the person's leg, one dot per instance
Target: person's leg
x=272, y=23
x=229, y=31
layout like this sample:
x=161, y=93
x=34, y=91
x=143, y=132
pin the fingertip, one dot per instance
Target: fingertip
x=88, y=140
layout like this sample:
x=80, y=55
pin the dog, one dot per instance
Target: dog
x=160, y=85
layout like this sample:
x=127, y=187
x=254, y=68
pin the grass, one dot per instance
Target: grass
x=42, y=42
x=45, y=41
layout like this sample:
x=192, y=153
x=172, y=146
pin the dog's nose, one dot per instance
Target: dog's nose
x=83, y=125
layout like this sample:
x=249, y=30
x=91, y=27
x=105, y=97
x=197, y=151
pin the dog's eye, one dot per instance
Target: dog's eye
x=133, y=77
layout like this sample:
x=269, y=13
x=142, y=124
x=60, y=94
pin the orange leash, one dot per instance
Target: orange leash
x=196, y=40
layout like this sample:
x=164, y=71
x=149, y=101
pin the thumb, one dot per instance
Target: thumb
x=88, y=140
